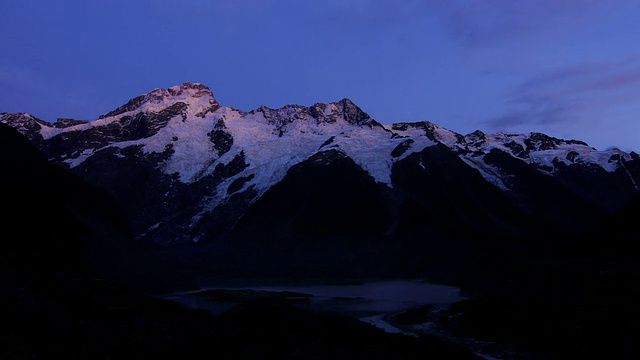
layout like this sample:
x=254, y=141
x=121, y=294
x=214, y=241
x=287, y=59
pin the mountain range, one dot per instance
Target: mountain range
x=326, y=190
x=172, y=192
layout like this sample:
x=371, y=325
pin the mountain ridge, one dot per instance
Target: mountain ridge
x=198, y=100
x=187, y=169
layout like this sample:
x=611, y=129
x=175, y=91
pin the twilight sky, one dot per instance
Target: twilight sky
x=567, y=68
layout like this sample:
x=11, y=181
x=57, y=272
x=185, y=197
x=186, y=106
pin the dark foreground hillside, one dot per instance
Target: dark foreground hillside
x=551, y=309
x=546, y=305
x=50, y=318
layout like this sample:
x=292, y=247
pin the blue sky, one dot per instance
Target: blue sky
x=569, y=68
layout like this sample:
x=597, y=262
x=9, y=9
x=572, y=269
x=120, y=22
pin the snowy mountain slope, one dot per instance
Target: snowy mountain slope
x=177, y=159
x=182, y=115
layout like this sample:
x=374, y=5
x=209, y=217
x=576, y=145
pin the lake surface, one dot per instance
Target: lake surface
x=356, y=300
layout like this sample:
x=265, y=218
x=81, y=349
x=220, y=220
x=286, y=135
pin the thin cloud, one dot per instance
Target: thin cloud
x=532, y=110
x=572, y=94
x=585, y=77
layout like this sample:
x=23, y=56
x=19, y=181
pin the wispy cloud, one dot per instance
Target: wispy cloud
x=588, y=76
x=576, y=93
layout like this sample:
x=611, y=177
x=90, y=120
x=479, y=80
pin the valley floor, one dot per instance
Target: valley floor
x=542, y=307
